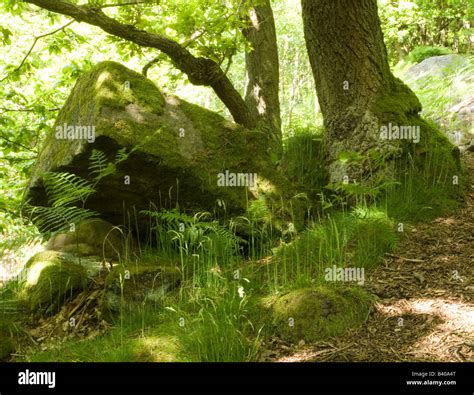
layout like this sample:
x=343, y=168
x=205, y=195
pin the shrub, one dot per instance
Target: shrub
x=423, y=52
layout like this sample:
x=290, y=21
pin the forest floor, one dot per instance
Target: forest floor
x=424, y=309
x=425, y=298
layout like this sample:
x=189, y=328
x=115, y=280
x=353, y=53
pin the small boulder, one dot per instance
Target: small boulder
x=314, y=314
x=50, y=278
x=126, y=286
x=92, y=237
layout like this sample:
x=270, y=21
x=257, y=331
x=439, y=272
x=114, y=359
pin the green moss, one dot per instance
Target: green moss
x=314, y=314
x=396, y=104
x=48, y=279
x=426, y=169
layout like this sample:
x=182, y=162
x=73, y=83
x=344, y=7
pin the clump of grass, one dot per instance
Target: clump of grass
x=357, y=238
x=223, y=332
x=303, y=161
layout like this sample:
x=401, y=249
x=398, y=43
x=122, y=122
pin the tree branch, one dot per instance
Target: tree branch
x=200, y=71
x=17, y=144
x=33, y=45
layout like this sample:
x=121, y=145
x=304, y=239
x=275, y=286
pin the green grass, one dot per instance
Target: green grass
x=355, y=239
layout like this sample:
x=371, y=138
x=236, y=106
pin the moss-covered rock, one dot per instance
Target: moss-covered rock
x=49, y=279
x=128, y=285
x=313, y=314
x=179, y=148
x=92, y=237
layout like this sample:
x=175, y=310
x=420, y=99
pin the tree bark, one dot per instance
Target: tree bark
x=354, y=83
x=262, y=65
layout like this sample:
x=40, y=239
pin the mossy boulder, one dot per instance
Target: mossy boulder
x=49, y=279
x=179, y=149
x=92, y=237
x=314, y=314
x=126, y=286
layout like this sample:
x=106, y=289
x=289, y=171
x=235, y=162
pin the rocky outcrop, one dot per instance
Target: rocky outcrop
x=435, y=66
x=178, y=152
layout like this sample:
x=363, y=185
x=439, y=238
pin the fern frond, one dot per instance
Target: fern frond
x=99, y=166
x=66, y=188
x=121, y=155
x=51, y=219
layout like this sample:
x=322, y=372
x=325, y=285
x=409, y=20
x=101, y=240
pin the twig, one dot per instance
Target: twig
x=128, y=3
x=403, y=258
x=18, y=144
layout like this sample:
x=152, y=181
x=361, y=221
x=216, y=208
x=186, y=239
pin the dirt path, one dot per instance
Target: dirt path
x=425, y=310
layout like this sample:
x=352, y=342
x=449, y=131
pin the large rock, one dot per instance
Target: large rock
x=435, y=66
x=179, y=148
x=49, y=279
x=92, y=237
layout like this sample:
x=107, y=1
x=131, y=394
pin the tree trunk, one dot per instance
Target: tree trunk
x=356, y=90
x=262, y=88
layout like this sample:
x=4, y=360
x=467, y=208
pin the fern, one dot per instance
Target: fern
x=66, y=188
x=52, y=219
x=175, y=217
x=100, y=167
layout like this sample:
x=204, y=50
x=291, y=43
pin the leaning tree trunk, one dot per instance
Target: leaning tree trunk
x=357, y=92
x=262, y=87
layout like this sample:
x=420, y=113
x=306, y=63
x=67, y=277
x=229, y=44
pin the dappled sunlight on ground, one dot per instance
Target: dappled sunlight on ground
x=453, y=336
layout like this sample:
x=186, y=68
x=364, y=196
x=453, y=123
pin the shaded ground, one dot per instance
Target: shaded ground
x=425, y=310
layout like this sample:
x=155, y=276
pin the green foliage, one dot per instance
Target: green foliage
x=221, y=331
x=356, y=239
x=303, y=161
x=191, y=234
x=410, y=24
x=66, y=188
x=100, y=166
x=55, y=219
x=418, y=54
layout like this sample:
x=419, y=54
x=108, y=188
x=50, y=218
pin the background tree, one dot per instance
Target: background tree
x=356, y=89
